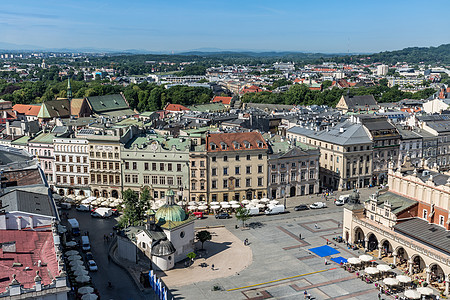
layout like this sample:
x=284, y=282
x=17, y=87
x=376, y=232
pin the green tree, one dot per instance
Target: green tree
x=242, y=214
x=135, y=207
x=191, y=256
x=203, y=236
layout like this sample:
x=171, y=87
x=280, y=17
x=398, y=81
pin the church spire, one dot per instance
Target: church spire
x=69, y=89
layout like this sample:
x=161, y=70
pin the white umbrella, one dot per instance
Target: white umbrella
x=192, y=203
x=391, y=281
x=215, y=206
x=89, y=297
x=365, y=258
x=85, y=290
x=384, y=268
x=202, y=207
x=260, y=205
x=86, y=201
x=245, y=201
x=202, y=203
x=80, y=272
x=82, y=279
x=235, y=206
x=403, y=278
x=74, y=257
x=274, y=202
x=250, y=206
x=181, y=203
x=72, y=252
x=71, y=244
x=425, y=291
x=112, y=204
x=226, y=205
x=412, y=294
x=354, y=261
x=214, y=203
x=265, y=200
x=79, y=198
x=255, y=201
x=233, y=202
x=371, y=270
x=76, y=263
x=192, y=207
x=78, y=268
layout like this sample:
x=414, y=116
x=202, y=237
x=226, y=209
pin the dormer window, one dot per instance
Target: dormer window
x=236, y=145
x=260, y=144
x=213, y=146
x=223, y=146
x=247, y=144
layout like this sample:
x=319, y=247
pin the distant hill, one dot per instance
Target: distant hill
x=431, y=55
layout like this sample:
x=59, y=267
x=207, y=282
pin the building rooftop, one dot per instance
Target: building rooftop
x=107, y=103
x=235, y=141
x=43, y=138
x=29, y=202
x=27, y=248
x=431, y=235
x=398, y=203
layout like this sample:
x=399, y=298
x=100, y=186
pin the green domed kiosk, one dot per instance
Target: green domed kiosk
x=170, y=211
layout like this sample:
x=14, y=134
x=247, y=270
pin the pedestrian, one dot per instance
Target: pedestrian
x=327, y=241
x=339, y=224
x=300, y=236
x=379, y=295
x=315, y=226
x=212, y=267
x=305, y=293
x=326, y=262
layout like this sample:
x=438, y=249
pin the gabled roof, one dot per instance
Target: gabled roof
x=29, y=202
x=252, y=139
x=175, y=107
x=27, y=109
x=76, y=105
x=360, y=101
x=101, y=104
x=55, y=109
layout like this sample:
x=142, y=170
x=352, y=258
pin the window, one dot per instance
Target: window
x=302, y=175
x=214, y=184
x=111, y=165
x=441, y=220
x=225, y=171
x=162, y=194
x=373, y=206
x=146, y=166
x=225, y=183
x=282, y=178
x=127, y=178
x=248, y=169
x=193, y=173
x=70, y=158
x=260, y=169
x=248, y=182
x=146, y=179
x=274, y=178
x=153, y=166
x=214, y=171
x=154, y=179
x=78, y=169
x=193, y=163
x=155, y=194
x=311, y=174
x=225, y=158
x=225, y=197
x=213, y=158
x=273, y=167
x=260, y=156
x=92, y=178
x=178, y=167
x=202, y=173
x=237, y=170
x=237, y=157
x=282, y=166
x=248, y=156
x=193, y=187
x=104, y=165
x=117, y=166
x=260, y=181
x=179, y=181
x=169, y=167
x=202, y=185
x=170, y=180
x=293, y=175
x=135, y=178
x=237, y=182
x=425, y=214
x=161, y=166
x=202, y=163
x=162, y=179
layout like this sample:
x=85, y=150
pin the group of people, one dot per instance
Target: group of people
x=108, y=237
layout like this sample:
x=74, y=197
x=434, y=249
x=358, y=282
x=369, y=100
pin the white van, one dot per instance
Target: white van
x=85, y=245
x=253, y=211
x=276, y=209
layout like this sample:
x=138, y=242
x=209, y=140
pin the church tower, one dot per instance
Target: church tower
x=69, y=90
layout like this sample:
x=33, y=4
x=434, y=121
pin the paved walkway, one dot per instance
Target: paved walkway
x=225, y=251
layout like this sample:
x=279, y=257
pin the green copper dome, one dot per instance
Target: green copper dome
x=172, y=213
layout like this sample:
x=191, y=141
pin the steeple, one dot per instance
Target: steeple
x=69, y=90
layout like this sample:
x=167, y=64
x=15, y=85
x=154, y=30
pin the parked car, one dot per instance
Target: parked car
x=82, y=207
x=339, y=202
x=317, y=205
x=198, y=214
x=301, y=207
x=223, y=215
x=92, y=265
x=89, y=256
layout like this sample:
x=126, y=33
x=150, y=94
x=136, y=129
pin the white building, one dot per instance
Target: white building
x=382, y=70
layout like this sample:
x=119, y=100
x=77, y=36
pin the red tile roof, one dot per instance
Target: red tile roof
x=31, y=246
x=26, y=109
x=223, y=100
x=235, y=141
x=175, y=107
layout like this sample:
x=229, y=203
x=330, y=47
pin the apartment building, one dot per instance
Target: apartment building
x=156, y=162
x=41, y=146
x=293, y=169
x=71, y=170
x=198, y=164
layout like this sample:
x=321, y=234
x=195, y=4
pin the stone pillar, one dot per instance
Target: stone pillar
x=410, y=262
x=428, y=270
x=394, y=254
x=380, y=250
x=366, y=243
x=447, y=285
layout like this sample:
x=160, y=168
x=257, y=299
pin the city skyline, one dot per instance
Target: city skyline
x=326, y=27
